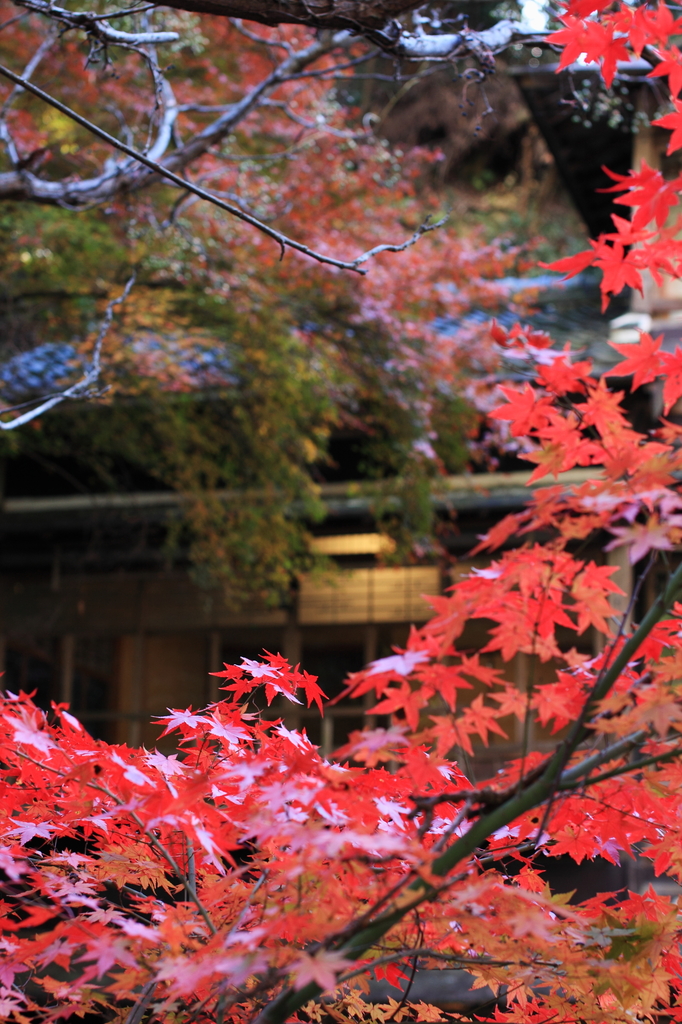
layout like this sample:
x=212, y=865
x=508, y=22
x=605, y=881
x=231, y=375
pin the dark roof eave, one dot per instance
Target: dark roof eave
x=465, y=492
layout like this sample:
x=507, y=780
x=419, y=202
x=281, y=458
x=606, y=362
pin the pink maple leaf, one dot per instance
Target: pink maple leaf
x=168, y=766
x=28, y=830
x=227, y=731
x=107, y=952
x=642, y=537
x=131, y=773
x=401, y=664
x=176, y=719
x=321, y=968
x=257, y=669
x=29, y=730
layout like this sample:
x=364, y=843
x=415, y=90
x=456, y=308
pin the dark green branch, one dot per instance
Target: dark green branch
x=625, y=769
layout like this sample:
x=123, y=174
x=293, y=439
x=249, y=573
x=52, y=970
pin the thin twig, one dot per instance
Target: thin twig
x=437, y=954
x=630, y=768
x=84, y=387
x=282, y=240
x=11, y=21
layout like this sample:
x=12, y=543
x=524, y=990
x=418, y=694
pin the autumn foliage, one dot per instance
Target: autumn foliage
x=646, y=241
x=246, y=875
x=247, y=878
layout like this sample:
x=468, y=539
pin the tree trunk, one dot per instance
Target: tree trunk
x=363, y=15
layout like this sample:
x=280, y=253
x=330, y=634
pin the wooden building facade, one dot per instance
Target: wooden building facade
x=123, y=645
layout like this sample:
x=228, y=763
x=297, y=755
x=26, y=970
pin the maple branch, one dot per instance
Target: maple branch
x=487, y=797
x=601, y=757
x=155, y=842
x=437, y=954
x=633, y=766
x=138, y=1010
x=168, y=857
x=283, y=240
x=625, y=618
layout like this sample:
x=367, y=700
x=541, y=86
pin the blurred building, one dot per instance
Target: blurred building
x=124, y=638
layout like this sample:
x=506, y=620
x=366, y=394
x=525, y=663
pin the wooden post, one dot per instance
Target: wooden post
x=624, y=578
x=327, y=737
x=292, y=643
x=644, y=142
x=646, y=147
x=137, y=675
x=56, y=571
x=521, y=678
x=292, y=652
x=214, y=665
x=370, y=654
x=134, y=724
x=66, y=668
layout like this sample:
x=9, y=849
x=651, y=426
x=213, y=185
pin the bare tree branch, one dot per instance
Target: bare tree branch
x=374, y=19
x=83, y=388
x=162, y=171
x=126, y=177
x=441, y=46
x=5, y=134
x=121, y=177
x=95, y=25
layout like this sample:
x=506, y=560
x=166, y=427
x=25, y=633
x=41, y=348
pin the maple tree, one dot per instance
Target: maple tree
x=245, y=876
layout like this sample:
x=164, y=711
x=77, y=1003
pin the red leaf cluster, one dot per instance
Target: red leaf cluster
x=239, y=874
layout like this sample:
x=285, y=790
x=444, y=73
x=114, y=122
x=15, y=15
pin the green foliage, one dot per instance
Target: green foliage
x=239, y=450
x=53, y=268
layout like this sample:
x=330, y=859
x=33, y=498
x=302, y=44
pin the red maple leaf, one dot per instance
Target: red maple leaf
x=572, y=265
x=571, y=38
x=670, y=65
x=649, y=25
x=672, y=372
x=618, y=269
x=642, y=360
x=648, y=190
x=526, y=410
x=602, y=409
x=562, y=377
x=673, y=122
x=576, y=843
